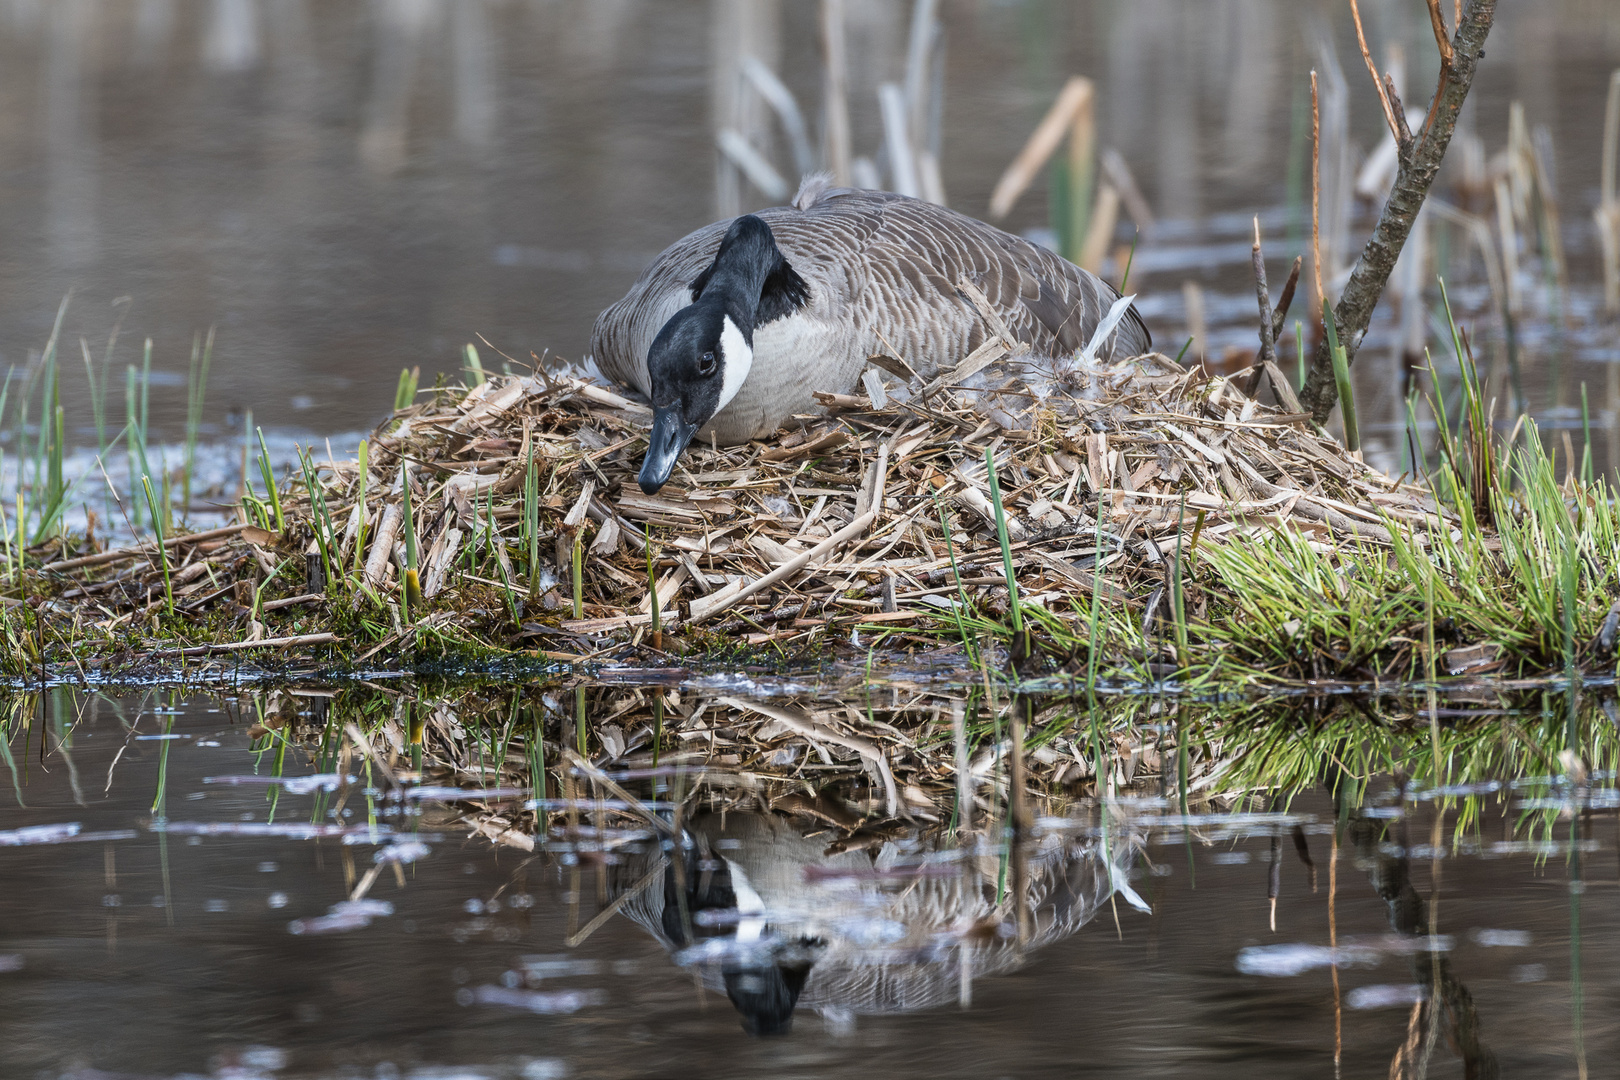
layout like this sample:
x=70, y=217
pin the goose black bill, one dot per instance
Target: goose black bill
x=669, y=436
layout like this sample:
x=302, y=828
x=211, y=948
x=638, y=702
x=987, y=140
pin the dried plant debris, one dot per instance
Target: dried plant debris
x=589, y=768
x=566, y=763
x=507, y=516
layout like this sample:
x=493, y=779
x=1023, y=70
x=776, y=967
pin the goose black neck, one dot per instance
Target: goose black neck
x=747, y=258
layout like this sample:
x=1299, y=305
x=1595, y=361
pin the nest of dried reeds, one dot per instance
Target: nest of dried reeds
x=508, y=515
x=882, y=512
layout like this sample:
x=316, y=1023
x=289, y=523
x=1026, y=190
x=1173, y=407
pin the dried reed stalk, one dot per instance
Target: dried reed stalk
x=1316, y=193
x=835, y=91
x=1061, y=119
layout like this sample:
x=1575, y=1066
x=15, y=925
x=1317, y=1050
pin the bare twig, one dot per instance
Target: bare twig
x=1448, y=58
x=1412, y=182
x=1441, y=39
x=1403, y=137
x=1378, y=83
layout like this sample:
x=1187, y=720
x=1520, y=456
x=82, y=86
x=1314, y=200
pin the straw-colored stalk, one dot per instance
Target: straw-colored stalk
x=1607, y=214
x=835, y=91
x=1069, y=115
x=1316, y=192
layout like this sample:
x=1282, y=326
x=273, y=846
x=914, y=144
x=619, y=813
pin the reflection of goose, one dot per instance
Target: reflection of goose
x=769, y=916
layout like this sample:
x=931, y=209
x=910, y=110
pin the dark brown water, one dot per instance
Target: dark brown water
x=177, y=935
x=345, y=188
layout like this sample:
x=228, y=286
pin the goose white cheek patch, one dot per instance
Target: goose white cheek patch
x=736, y=358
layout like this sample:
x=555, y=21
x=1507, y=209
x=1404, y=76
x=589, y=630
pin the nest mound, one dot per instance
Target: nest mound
x=882, y=511
x=513, y=505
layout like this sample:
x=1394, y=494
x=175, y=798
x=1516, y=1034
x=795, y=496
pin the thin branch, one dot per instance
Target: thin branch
x=1442, y=40
x=1378, y=82
x=1412, y=182
x=1403, y=137
x=1316, y=192
x=1448, y=59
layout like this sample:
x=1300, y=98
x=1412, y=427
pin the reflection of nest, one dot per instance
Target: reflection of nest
x=908, y=928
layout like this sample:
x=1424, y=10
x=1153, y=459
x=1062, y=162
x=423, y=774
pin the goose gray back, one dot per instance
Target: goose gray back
x=735, y=327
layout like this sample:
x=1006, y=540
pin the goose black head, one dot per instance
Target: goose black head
x=696, y=365
x=701, y=357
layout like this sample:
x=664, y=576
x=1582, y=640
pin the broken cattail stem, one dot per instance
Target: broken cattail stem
x=1611, y=140
x=835, y=91
x=1100, y=229
x=1192, y=299
x=1074, y=229
x=382, y=545
x=899, y=142
x=1608, y=212
x=1286, y=300
x=1268, y=352
x=1130, y=194
x=362, y=454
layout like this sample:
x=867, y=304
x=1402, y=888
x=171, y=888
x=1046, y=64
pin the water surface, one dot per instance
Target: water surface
x=193, y=925
x=347, y=188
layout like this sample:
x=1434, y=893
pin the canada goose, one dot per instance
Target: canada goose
x=733, y=328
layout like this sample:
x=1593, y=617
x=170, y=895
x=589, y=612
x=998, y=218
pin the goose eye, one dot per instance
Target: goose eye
x=706, y=364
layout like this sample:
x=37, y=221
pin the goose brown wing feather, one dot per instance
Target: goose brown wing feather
x=916, y=252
